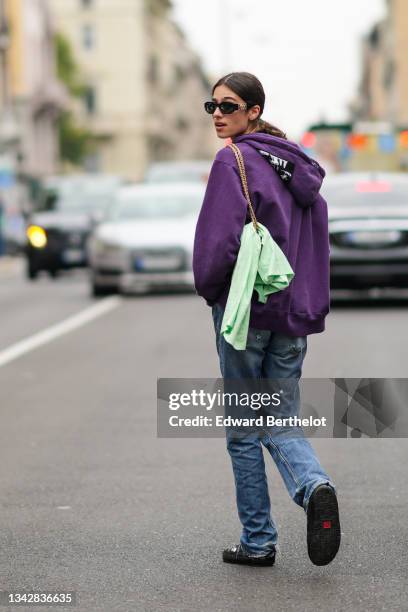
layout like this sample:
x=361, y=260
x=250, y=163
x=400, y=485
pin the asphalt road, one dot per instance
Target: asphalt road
x=93, y=502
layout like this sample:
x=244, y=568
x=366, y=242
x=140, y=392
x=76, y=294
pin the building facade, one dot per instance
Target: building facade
x=32, y=96
x=178, y=128
x=144, y=86
x=383, y=90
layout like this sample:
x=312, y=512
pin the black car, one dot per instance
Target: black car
x=368, y=225
x=70, y=207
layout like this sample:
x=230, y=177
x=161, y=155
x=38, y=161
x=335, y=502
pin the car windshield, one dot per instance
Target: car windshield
x=366, y=193
x=155, y=205
x=178, y=172
x=72, y=197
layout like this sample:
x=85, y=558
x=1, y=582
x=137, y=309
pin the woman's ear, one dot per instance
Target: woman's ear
x=254, y=112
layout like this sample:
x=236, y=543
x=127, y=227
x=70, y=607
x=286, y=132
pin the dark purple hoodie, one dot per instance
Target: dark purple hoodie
x=284, y=186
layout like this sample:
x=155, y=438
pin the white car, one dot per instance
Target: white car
x=189, y=171
x=147, y=243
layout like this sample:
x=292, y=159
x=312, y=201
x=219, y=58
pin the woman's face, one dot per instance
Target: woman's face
x=238, y=122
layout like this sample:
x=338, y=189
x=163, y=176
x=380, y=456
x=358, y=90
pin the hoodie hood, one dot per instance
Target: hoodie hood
x=302, y=175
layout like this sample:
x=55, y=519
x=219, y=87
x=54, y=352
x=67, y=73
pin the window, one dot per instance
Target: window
x=88, y=37
x=153, y=69
x=179, y=74
x=93, y=162
x=388, y=73
x=90, y=100
x=182, y=124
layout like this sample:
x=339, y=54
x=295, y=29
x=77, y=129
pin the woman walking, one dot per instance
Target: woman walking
x=283, y=184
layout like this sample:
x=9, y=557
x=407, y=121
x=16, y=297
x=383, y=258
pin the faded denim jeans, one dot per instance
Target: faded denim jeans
x=268, y=355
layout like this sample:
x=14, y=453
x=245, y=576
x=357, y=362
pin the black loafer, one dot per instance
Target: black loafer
x=323, y=525
x=236, y=554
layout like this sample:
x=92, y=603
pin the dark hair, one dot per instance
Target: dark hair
x=250, y=89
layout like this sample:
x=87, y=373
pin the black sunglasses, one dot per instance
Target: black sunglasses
x=225, y=107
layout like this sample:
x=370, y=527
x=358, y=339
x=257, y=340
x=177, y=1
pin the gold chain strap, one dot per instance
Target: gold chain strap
x=242, y=173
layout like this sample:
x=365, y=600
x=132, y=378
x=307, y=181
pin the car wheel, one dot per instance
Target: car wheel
x=31, y=270
x=99, y=291
x=53, y=272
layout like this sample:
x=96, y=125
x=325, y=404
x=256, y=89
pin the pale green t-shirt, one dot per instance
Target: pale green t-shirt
x=260, y=265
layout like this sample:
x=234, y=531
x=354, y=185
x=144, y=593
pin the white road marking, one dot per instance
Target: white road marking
x=59, y=329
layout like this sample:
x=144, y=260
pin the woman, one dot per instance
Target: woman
x=284, y=187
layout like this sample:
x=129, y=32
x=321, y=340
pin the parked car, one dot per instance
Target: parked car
x=368, y=225
x=57, y=233
x=148, y=242
x=179, y=171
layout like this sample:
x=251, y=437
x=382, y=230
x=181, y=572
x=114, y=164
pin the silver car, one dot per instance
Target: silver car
x=368, y=225
x=148, y=241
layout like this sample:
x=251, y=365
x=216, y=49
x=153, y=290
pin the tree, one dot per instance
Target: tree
x=75, y=141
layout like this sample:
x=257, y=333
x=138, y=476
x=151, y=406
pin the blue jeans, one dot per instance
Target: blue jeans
x=268, y=355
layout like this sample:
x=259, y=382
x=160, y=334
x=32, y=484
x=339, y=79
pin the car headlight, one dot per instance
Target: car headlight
x=36, y=236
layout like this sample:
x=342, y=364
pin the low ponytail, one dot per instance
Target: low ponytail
x=268, y=128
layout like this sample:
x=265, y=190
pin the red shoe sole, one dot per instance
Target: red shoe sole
x=323, y=526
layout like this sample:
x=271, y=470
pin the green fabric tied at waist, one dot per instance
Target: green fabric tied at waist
x=260, y=265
